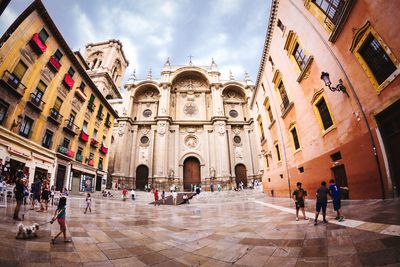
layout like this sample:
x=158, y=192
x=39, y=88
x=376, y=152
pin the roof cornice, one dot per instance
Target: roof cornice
x=267, y=43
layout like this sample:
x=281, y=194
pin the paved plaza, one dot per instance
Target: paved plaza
x=215, y=229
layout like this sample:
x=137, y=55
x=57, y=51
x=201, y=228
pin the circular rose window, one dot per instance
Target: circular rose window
x=147, y=113
x=233, y=113
x=144, y=139
x=237, y=139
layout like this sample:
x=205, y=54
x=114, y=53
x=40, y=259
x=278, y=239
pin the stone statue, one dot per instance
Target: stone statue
x=212, y=172
x=171, y=174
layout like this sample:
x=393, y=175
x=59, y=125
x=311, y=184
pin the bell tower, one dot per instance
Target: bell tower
x=107, y=64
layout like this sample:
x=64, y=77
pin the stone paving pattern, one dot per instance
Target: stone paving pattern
x=218, y=229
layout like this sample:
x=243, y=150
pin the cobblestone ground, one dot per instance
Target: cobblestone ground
x=215, y=229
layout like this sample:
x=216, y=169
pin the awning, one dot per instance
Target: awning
x=83, y=169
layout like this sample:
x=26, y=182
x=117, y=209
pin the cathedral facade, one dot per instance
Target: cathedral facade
x=187, y=128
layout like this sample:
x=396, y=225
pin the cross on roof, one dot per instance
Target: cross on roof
x=190, y=60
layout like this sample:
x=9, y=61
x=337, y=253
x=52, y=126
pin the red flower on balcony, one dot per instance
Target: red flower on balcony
x=37, y=44
x=91, y=162
x=81, y=95
x=54, y=64
x=70, y=153
x=84, y=136
x=68, y=81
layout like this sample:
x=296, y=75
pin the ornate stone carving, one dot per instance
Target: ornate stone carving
x=63, y=90
x=191, y=141
x=162, y=127
x=28, y=54
x=47, y=74
x=143, y=155
x=220, y=128
x=239, y=153
x=236, y=130
x=76, y=103
x=121, y=129
x=190, y=109
x=145, y=130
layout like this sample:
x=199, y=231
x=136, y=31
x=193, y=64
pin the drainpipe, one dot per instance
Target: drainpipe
x=355, y=97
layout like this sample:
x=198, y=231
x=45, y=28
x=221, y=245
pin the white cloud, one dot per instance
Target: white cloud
x=7, y=18
x=84, y=28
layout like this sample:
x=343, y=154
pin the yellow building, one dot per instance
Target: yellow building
x=54, y=121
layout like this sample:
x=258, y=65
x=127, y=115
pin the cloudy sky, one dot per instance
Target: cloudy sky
x=230, y=31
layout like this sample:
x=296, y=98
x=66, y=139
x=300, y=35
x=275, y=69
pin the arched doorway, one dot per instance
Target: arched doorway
x=191, y=173
x=142, y=177
x=241, y=174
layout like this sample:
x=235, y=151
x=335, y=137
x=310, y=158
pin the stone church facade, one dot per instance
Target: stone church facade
x=187, y=128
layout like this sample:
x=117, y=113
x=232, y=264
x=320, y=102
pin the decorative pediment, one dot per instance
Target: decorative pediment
x=290, y=41
x=293, y=123
x=316, y=94
x=358, y=35
x=277, y=77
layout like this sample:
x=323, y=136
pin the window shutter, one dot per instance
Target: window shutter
x=41, y=86
x=43, y=35
x=20, y=70
x=57, y=104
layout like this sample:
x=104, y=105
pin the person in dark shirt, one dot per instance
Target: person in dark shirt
x=322, y=200
x=19, y=194
x=298, y=196
x=335, y=194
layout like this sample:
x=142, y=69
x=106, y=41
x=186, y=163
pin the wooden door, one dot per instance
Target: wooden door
x=61, y=170
x=339, y=174
x=142, y=177
x=389, y=126
x=191, y=173
x=241, y=174
x=99, y=181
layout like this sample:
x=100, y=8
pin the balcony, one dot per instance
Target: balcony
x=94, y=142
x=100, y=116
x=68, y=81
x=37, y=45
x=84, y=136
x=79, y=157
x=70, y=128
x=55, y=117
x=36, y=103
x=108, y=123
x=54, y=64
x=91, y=106
x=80, y=95
x=66, y=151
x=12, y=84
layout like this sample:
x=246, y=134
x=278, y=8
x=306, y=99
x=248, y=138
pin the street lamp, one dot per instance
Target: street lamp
x=339, y=87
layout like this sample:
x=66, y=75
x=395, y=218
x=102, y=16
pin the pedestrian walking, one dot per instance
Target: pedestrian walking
x=163, y=197
x=156, y=197
x=88, y=203
x=59, y=215
x=219, y=187
x=174, y=197
x=299, y=196
x=19, y=194
x=35, y=190
x=322, y=200
x=212, y=188
x=52, y=193
x=45, y=197
x=334, y=190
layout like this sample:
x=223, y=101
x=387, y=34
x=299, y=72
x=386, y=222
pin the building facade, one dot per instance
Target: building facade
x=187, y=128
x=327, y=98
x=54, y=121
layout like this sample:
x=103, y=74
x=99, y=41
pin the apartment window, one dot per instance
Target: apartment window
x=3, y=111
x=271, y=61
x=84, y=127
x=26, y=127
x=283, y=94
x=263, y=88
x=324, y=113
x=95, y=134
x=71, y=119
x=100, y=112
x=66, y=142
x=377, y=59
x=280, y=25
x=80, y=150
x=71, y=71
x=38, y=94
x=100, y=163
x=269, y=111
x=299, y=56
x=331, y=8
x=91, y=156
x=79, y=154
x=20, y=70
x=82, y=87
x=43, y=35
x=57, y=104
x=295, y=138
x=47, y=138
x=108, y=117
x=267, y=160
x=91, y=99
x=58, y=55
x=260, y=125
x=278, y=153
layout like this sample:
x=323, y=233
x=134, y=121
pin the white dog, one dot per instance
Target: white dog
x=27, y=232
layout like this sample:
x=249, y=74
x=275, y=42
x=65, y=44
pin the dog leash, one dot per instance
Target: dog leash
x=46, y=223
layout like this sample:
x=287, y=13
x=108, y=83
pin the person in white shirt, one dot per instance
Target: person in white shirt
x=174, y=197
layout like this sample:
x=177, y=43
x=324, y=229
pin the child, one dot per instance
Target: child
x=88, y=203
x=174, y=197
x=335, y=194
x=322, y=200
x=156, y=198
x=59, y=214
x=298, y=196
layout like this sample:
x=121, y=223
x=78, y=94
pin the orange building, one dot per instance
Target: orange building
x=327, y=97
